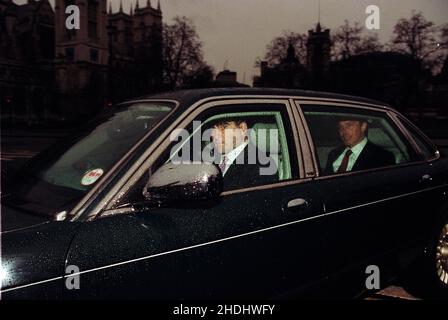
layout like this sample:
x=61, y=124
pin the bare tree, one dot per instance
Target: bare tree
x=202, y=78
x=443, y=44
x=369, y=43
x=182, y=52
x=349, y=40
x=444, y=36
x=439, y=58
x=276, y=51
x=416, y=36
x=346, y=39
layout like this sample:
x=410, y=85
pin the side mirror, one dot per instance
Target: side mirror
x=178, y=182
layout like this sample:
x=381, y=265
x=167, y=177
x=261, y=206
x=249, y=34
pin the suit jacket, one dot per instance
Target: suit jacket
x=372, y=156
x=247, y=175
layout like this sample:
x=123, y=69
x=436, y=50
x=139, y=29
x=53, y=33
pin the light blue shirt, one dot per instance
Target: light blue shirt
x=356, y=151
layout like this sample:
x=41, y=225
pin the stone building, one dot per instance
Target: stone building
x=135, y=64
x=391, y=77
x=290, y=73
x=227, y=79
x=47, y=70
x=318, y=57
x=27, y=50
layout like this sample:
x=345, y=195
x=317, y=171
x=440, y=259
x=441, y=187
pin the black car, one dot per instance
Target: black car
x=108, y=213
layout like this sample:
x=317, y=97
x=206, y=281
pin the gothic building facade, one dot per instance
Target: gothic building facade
x=27, y=54
x=289, y=73
x=48, y=70
x=318, y=56
x=135, y=50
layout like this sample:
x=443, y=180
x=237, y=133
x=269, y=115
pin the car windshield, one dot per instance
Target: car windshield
x=61, y=175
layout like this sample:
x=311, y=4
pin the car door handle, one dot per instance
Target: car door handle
x=297, y=205
x=426, y=178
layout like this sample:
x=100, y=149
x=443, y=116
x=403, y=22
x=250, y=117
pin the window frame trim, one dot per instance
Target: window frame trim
x=309, y=141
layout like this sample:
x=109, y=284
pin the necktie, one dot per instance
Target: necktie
x=223, y=164
x=344, y=163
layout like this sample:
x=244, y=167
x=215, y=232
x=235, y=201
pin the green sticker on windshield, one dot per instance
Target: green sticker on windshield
x=91, y=176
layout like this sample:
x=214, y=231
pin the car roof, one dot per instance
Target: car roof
x=187, y=97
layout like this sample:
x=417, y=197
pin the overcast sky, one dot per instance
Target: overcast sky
x=238, y=31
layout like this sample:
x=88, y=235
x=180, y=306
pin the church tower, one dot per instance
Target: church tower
x=81, y=57
x=147, y=29
x=89, y=43
x=318, y=56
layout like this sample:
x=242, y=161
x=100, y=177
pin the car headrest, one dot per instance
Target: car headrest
x=378, y=137
x=266, y=137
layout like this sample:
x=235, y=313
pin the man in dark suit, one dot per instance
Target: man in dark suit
x=357, y=152
x=241, y=163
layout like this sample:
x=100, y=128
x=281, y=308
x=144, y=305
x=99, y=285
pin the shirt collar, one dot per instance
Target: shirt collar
x=359, y=147
x=232, y=155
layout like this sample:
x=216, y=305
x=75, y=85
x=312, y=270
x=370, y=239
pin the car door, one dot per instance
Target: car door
x=254, y=241
x=372, y=213
x=429, y=183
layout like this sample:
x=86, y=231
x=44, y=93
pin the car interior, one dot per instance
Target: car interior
x=266, y=131
x=326, y=137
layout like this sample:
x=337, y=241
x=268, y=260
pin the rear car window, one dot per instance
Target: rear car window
x=385, y=141
x=427, y=150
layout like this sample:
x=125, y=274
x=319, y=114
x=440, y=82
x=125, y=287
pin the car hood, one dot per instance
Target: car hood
x=33, y=252
x=13, y=219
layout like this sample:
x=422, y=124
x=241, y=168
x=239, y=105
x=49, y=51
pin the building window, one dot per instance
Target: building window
x=128, y=36
x=70, y=54
x=46, y=42
x=92, y=18
x=93, y=55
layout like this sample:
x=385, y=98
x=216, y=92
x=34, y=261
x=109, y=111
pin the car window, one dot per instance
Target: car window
x=350, y=139
x=69, y=169
x=264, y=150
x=266, y=133
x=101, y=148
x=427, y=150
x=263, y=155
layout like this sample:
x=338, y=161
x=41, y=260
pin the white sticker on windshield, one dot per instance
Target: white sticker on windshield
x=91, y=176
